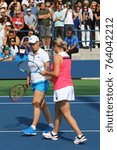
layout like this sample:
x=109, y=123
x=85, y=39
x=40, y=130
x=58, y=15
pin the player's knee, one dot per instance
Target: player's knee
x=36, y=104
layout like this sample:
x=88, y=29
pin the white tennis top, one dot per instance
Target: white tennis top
x=39, y=58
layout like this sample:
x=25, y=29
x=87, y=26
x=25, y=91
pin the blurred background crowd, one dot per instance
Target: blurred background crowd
x=75, y=21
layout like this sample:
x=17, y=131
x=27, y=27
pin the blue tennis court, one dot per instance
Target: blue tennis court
x=17, y=116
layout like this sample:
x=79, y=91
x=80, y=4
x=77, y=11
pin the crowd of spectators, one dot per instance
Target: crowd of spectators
x=48, y=19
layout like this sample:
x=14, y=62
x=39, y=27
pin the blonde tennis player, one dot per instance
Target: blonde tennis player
x=63, y=91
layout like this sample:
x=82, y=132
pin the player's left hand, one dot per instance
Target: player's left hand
x=44, y=73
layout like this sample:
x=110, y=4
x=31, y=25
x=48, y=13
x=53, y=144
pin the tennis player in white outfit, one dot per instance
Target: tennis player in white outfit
x=39, y=85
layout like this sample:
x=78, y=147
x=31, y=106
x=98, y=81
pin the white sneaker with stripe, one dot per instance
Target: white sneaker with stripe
x=79, y=140
x=49, y=135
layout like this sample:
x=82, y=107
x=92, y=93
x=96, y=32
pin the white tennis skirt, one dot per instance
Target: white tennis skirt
x=66, y=93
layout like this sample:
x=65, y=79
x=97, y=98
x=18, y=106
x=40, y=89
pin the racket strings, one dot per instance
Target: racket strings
x=24, y=66
x=28, y=66
x=17, y=92
x=32, y=67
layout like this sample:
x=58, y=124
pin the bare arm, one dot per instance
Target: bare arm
x=45, y=16
x=17, y=41
x=8, y=59
x=47, y=66
x=56, y=70
x=28, y=80
x=97, y=17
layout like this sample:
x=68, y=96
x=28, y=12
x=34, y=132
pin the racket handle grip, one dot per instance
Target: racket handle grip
x=25, y=86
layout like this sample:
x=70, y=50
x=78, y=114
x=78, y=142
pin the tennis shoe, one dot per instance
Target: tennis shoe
x=49, y=135
x=48, y=129
x=29, y=131
x=79, y=140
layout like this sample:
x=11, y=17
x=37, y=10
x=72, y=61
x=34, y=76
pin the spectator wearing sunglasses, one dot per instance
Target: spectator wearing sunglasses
x=12, y=34
x=18, y=21
x=13, y=47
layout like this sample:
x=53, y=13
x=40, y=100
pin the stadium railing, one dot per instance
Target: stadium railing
x=78, y=32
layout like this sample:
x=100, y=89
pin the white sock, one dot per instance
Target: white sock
x=48, y=47
x=51, y=125
x=45, y=47
x=80, y=135
x=33, y=127
x=54, y=133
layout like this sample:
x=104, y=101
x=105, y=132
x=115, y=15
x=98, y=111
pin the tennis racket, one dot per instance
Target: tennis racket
x=29, y=67
x=17, y=92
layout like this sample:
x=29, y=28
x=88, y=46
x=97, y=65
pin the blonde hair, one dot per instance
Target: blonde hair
x=60, y=43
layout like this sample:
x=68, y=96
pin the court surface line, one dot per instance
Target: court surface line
x=61, y=131
x=50, y=103
x=52, y=96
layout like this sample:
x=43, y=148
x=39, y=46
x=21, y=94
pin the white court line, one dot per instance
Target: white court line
x=50, y=103
x=88, y=131
x=64, y=131
x=52, y=96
